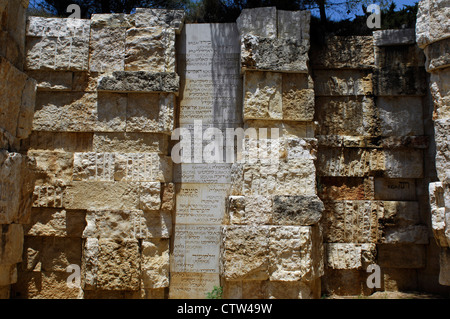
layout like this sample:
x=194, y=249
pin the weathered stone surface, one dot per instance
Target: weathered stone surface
x=444, y=262
x=139, y=81
x=8, y=276
x=50, y=222
x=26, y=111
x=400, y=116
x=155, y=263
x=168, y=197
x=342, y=82
x=438, y=218
x=145, y=17
x=395, y=189
x=16, y=187
x=288, y=19
x=52, y=167
x=293, y=290
x=130, y=143
x=295, y=253
x=250, y=210
x=150, y=49
x=404, y=164
x=262, y=97
x=438, y=55
x=274, y=54
x=341, y=282
x=192, y=285
x=89, y=263
x=152, y=224
x=101, y=195
x=52, y=80
x=412, y=234
x=57, y=27
x=297, y=210
x=394, y=37
x=150, y=197
x=111, y=224
x=440, y=91
x=11, y=244
x=354, y=52
x=399, y=81
x=111, y=109
x=349, y=256
x=260, y=22
x=52, y=254
x=432, y=22
x=48, y=196
x=298, y=97
x=441, y=128
x=401, y=256
x=399, y=56
x=58, y=141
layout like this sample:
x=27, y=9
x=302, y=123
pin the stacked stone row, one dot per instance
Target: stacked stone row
x=17, y=96
x=433, y=36
x=271, y=241
x=370, y=105
x=104, y=196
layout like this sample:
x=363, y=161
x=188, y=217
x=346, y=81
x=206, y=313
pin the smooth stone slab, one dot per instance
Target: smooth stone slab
x=192, y=285
x=394, y=37
x=203, y=173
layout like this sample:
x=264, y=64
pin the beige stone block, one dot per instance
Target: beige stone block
x=192, y=285
x=354, y=52
x=295, y=253
x=411, y=234
x=101, y=196
x=391, y=37
x=26, y=112
x=298, y=97
x=349, y=256
x=404, y=163
x=146, y=17
x=57, y=27
x=59, y=141
x=111, y=112
x=432, y=22
x=342, y=83
x=155, y=263
x=11, y=244
x=131, y=143
x=150, y=113
x=345, y=282
x=52, y=167
x=401, y=256
x=107, y=48
x=50, y=222
x=158, y=293
x=245, y=252
x=111, y=224
x=395, y=189
x=8, y=275
x=400, y=116
x=93, y=166
x=258, y=21
x=250, y=210
x=85, y=81
x=440, y=91
x=150, y=197
x=442, y=149
x=48, y=196
x=150, y=49
x=89, y=264
x=168, y=197
x=437, y=206
x=263, y=95
x=53, y=80
x=156, y=224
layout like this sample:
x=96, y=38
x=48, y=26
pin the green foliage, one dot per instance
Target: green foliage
x=216, y=293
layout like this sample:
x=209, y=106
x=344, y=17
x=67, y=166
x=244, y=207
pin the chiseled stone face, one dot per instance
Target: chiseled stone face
x=155, y=263
x=349, y=256
x=432, y=22
x=440, y=91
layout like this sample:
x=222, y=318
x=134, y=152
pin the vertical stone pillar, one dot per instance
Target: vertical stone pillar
x=433, y=36
x=17, y=95
x=271, y=243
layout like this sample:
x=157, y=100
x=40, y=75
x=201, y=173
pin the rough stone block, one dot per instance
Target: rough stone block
x=259, y=22
x=50, y=222
x=52, y=167
x=48, y=196
x=441, y=128
x=394, y=37
x=150, y=197
x=168, y=197
x=401, y=256
x=293, y=25
x=355, y=52
x=130, y=143
x=432, y=22
x=26, y=111
x=293, y=290
x=399, y=56
x=111, y=112
x=412, y=234
x=342, y=83
x=139, y=81
x=58, y=141
x=297, y=210
x=111, y=224
x=149, y=225
x=391, y=81
x=263, y=95
x=145, y=17
x=438, y=220
x=52, y=80
x=298, y=97
x=150, y=49
x=438, y=55
x=395, y=189
x=245, y=252
x=94, y=166
x=57, y=27
x=404, y=164
x=400, y=116
x=250, y=210
x=155, y=263
x=349, y=256
x=11, y=244
x=440, y=91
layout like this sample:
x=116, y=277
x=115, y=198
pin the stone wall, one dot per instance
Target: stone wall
x=433, y=36
x=17, y=96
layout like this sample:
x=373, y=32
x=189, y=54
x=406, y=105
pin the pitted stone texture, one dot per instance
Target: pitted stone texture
x=438, y=55
x=50, y=222
x=401, y=116
x=139, y=81
x=150, y=197
x=400, y=81
x=440, y=91
x=111, y=224
x=399, y=56
x=354, y=52
x=57, y=27
x=438, y=214
x=260, y=22
x=432, y=21
x=155, y=263
x=342, y=82
x=263, y=97
x=350, y=256
x=130, y=142
x=274, y=54
x=52, y=167
x=394, y=37
x=297, y=97
x=297, y=210
x=145, y=17
x=250, y=210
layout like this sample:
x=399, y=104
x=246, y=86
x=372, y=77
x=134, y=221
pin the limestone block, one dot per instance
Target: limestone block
x=342, y=82
x=295, y=253
x=351, y=221
x=293, y=290
x=245, y=252
x=48, y=196
x=438, y=55
x=349, y=256
x=151, y=113
x=16, y=187
x=8, y=275
x=263, y=97
x=412, y=234
x=50, y=222
x=150, y=49
x=65, y=111
x=146, y=17
x=192, y=285
x=297, y=210
x=400, y=116
x=395, y=189
x=93, y=166
x=341, y=282
x=150, y=197
x=57, y=27
x=440, y=91
x=298, y=97
x=155, y=263
x=441, y=128
x=168, y=197
x=345, y=188
x=139, y=81
x=131, y=143
x=432, y=22
x=111, y=112
x=354, y=116
x=404, y=164
x=153, y=224
x=394, y=37
x=26, y=111
x=11, y=95
x=107, y=42
x=90, y=263
x=293, y=25
x=118, y=265
x=85, y=81
x=11, y=244
x=444, y=272
x=51, y=253
x=399, y=56
x=250, y=210
x=59, y=141
x=111, y=224
x=52, y=80
x=401, y=256
x=52, y=167
x=274, y=54
x=157, y=293
x=355, y=52
x=437, y=205
x=260, y=22
x=400, y=213
x=399, y=81
x=101, y=195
